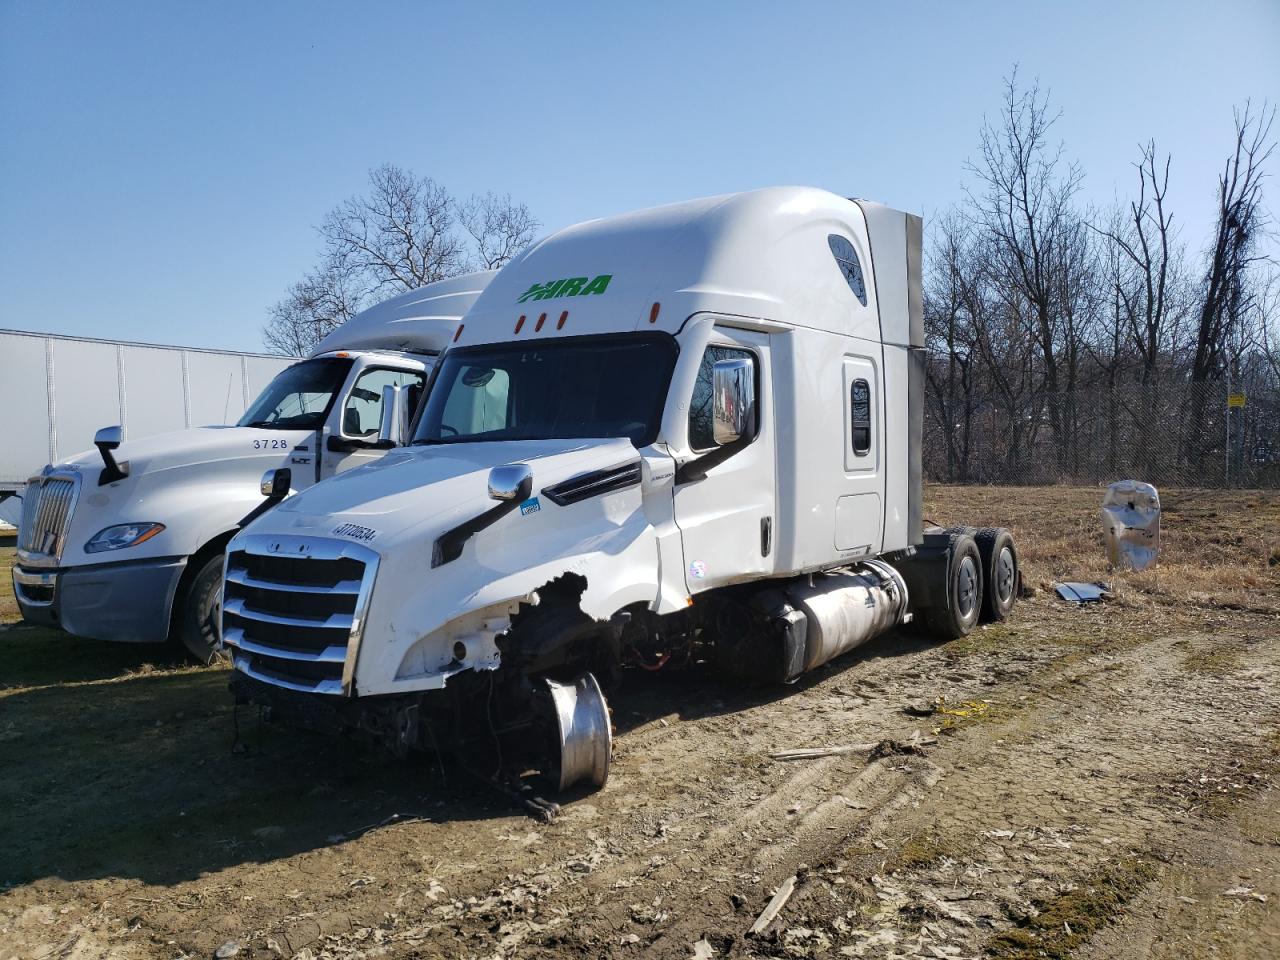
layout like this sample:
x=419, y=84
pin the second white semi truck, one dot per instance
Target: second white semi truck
x=686, y=434
x=125, y=543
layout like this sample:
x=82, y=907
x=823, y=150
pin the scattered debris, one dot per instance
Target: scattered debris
x=1245, y=893
x=875, y=751
x=775, y=906
x=702, y=950
x=898, y=748
x=920, y=709
x=1081, y=593
x=1131, y=524
x=812, y=753
x=228, y=949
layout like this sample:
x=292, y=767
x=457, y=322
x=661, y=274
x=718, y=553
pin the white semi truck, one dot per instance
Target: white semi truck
x=686, y=434
x=126, y=543
x=58, y=390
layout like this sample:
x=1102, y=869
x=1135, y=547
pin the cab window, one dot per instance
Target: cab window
x=362, y=414
x=477, y=403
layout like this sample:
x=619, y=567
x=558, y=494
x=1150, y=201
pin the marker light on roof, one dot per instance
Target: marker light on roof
x=520, y=323
x=542, y=318
x=342, y=353
x=457, y=333
x=653, y=312
x=563, y=317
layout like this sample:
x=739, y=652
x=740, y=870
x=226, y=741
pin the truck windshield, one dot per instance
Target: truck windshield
x=300, y=396
x=554, y=390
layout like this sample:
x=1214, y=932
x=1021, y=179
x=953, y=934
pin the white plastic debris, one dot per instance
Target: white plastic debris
x=1131, y=524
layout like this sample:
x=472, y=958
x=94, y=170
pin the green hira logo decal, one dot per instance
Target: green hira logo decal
x=568, y=287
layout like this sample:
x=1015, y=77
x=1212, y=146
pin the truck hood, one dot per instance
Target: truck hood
x=199, y=483
x=429, y=489
x=199, y=446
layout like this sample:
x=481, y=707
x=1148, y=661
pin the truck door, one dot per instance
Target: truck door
x=726, y=519
x=859, y=510
x=352, y=434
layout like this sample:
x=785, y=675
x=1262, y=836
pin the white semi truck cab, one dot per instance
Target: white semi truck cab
x=686, y=434
x=125, y=543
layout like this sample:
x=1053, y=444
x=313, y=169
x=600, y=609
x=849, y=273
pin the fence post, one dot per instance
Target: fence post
x=1226, y=418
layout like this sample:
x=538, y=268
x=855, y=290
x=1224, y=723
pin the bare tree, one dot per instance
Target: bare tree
x=1144, y=243
x=405, y=232
x=950, y=335
x=1024, y=207
x=1241, y=222
x=400, y=235
x=311, y=309
x=499, y=228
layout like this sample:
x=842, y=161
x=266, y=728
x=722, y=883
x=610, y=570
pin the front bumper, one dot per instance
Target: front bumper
x=128, y=602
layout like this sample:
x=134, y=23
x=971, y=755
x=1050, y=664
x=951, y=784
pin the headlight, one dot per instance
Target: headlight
x=122, y=535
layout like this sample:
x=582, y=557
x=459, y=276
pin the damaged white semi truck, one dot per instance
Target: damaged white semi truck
x=125, y=543
x=686, y=434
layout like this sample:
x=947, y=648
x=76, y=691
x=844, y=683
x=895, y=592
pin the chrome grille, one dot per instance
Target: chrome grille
x=47, y=504
x=293, y=608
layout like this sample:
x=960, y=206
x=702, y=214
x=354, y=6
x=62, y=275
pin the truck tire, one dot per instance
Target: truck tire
x=964, y=594
x=196, y=618
x=999, y=572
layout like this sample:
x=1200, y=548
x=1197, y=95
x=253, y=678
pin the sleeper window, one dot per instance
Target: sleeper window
x=849, y=264
x=701, y=436
x=860, y=416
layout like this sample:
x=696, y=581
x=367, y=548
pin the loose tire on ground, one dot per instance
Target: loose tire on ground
x=197, y=612
x=999, y=572
x=964, y=591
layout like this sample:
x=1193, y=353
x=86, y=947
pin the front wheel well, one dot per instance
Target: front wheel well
x=195, y=561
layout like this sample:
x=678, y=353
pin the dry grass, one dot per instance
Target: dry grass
x=1218, y=547
x=1070, y=919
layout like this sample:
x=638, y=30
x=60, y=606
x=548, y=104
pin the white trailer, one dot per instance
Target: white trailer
x=686, y=434
x=60, y=390
x=125, y=543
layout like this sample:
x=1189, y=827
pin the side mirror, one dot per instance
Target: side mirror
x=395, y=421
x=511, y=481
x=276, y=483
x=106, y=440
x=733, y=405
x=275, y=487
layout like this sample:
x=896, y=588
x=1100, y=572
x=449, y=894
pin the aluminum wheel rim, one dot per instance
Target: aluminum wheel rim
x=1004, y=575
x=967, y=587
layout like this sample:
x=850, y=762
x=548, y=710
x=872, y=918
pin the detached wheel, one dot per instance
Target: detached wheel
x=1000, y=572
x=199, y=607
x=964, y=591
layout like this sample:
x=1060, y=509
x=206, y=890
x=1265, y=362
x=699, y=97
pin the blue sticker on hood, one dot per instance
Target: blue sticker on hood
x=530, y=506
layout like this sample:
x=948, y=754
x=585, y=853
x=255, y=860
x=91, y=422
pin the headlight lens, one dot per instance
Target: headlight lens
x=122, y=535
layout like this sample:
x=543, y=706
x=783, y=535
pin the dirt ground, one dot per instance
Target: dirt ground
x=1092, y=782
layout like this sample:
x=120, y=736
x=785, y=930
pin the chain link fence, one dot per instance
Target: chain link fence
x=1175, y=434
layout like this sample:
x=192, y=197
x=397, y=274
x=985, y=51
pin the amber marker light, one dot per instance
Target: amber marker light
x=520, y=323
x=542, y=318
x=653, y=312
x=457, y=333
x=563, y=317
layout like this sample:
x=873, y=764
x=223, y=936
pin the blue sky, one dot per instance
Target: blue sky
x=162, y=166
